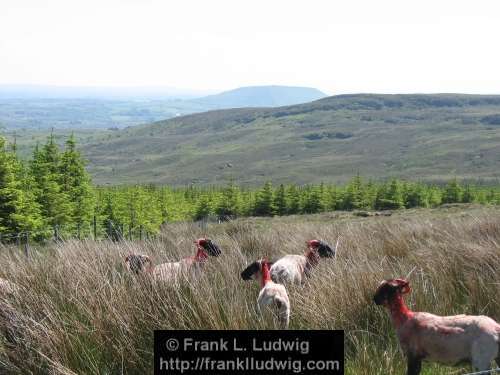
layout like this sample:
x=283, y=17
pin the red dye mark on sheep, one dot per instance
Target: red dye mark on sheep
x=266, y=275
x=400, y=313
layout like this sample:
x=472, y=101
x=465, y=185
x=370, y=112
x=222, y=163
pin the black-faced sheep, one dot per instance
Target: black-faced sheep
x=293, y=268
x=171, y=271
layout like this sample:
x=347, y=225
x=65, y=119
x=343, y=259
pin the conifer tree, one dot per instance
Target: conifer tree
x=331, y=198
x=111, y=220
x=229, y=203
x=416, y=195
x=354, y=196
x=293, y=200
x=468, y=195
x=54, y=203
x=149, y=210
x=76, y=184
x=435, y=196
x=452, y=192
x=203, y=208
x=264, y=201
x=280, y=201
x=164, y=208
x=247, y=202
x=18, y=210
x=312, y=201
x=390, y=196
x=370, y=194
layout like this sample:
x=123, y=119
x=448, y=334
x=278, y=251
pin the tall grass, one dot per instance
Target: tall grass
x=79, y=311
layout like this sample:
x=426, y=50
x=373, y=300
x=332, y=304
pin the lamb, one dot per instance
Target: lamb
x=138, y=263
x=445, y=339
x=293, y=269
x=273, y=295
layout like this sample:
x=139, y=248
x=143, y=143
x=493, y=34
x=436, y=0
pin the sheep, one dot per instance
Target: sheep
x=448, y=340
x=273, y=295
x=293, y=269
x=138, y=263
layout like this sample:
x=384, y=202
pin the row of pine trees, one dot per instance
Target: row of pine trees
x=52, y=194
x=356, y=195
x=52, y=190
x=149, y=206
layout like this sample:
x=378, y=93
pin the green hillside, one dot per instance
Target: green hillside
x=412, y=136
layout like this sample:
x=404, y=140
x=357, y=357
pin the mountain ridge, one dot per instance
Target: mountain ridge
x=261, y=96
x=417, y=136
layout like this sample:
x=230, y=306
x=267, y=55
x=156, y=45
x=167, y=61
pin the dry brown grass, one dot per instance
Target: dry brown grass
x=80, y=312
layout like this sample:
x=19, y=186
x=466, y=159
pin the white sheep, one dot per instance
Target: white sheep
x=172, y=271
x=448, y=340
x=273, y=295
x=293, y=269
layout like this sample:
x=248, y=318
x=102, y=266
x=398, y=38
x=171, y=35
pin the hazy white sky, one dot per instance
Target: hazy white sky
x=337, y=46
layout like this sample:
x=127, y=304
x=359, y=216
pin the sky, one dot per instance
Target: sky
x=352, y=46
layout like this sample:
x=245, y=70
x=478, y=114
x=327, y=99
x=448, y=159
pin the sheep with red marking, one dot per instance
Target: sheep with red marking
x=138, y=263
x=444, y=339
x=293, y=269
x=273, y=295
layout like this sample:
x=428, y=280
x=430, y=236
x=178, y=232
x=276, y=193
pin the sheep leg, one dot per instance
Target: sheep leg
x=483, y=352
x=498, y=355
x=284, y=315
x=414, y=365
x=259, y=308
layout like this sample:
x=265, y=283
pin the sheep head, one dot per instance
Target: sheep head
x=390, y=289
x=138, y=263
x=323, y=249
x=209, y=247
x=254, y=270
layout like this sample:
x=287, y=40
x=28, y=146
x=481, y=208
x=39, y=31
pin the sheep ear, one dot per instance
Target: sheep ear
x=405, y=289
x=404, y=286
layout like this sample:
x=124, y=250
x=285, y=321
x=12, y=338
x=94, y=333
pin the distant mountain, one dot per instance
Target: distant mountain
x=80, y=108
x=261, y=96
x=431, y=137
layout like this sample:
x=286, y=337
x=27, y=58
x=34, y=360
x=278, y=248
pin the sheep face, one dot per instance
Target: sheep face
x=252, y=271
x=210, y=247
x=138, y=263
x=388, y=290
x=323, y=249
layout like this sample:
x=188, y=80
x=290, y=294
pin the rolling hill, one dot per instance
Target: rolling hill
x=431, y=137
